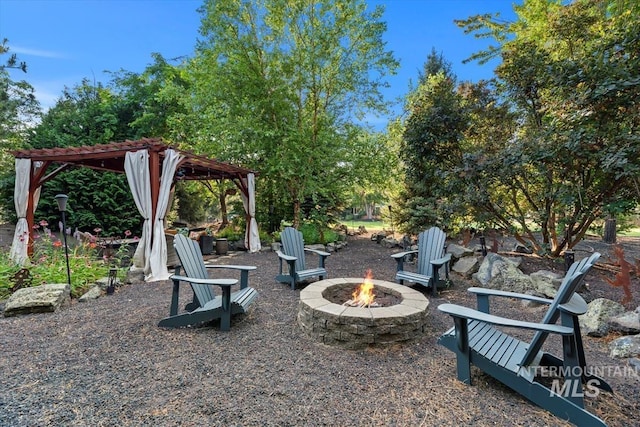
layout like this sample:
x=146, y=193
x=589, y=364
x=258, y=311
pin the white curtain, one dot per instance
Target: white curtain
x=158, y=259
x=136, y=167
x=20, y=242
x=251, y=236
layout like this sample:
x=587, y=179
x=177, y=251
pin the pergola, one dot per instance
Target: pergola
x=152, y=167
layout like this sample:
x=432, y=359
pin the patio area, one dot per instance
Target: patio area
x=106, y=362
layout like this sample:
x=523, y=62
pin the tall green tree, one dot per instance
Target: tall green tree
x=86, y=115
x=569, y=73
x=19, y=112
x=432, y=146
x=277, y=84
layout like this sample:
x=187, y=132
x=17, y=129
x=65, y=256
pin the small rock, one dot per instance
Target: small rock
x=93, y=293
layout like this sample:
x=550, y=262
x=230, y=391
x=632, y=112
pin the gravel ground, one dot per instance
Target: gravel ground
x=106, y=363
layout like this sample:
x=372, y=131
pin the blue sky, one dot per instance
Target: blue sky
x=64, y=41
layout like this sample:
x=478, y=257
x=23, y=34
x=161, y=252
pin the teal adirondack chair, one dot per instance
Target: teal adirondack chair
x=206, y=305
x=431, y=257
x=293, y=254
x=478, y=338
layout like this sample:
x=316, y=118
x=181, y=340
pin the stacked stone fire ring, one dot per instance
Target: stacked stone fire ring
x=329, y=321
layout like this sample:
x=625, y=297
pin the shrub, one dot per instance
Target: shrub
x=48, y=263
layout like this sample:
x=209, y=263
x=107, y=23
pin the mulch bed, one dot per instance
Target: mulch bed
x=106, y=363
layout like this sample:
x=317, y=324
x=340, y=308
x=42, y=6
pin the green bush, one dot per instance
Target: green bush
x=230, y=233
x=48, y=264
x=313, y=235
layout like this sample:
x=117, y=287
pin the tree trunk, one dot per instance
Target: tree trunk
x=609, y=235
x=296, y=214
x=222, y=197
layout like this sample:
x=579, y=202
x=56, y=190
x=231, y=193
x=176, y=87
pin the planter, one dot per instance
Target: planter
x=206, y=245
x=222, y=246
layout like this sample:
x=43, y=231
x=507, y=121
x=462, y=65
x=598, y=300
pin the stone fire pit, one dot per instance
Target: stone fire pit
x=402, y=318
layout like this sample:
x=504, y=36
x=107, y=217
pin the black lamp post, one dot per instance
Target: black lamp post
x=61, y=199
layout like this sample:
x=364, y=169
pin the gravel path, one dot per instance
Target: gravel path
x=106, y=363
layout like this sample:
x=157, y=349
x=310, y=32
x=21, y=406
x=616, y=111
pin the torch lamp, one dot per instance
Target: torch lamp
x=569, y=258
x=112, y=280
x=61, y=199
x=483, y=245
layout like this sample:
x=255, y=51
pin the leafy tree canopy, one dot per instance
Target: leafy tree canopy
x=551, y=145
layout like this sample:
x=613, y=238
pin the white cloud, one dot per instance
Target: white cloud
x=36, y=52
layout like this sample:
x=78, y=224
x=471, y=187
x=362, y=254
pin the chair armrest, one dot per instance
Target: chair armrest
x=471, y=314
x=441, y=261
x=576, y=306
x=285, y=257
x=317, y=252
x=402, y=254
x=244, y=272
x=218, y=282
x=234, y=267
x=506, y=294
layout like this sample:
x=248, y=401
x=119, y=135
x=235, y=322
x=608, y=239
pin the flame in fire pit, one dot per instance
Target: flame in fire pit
x=363, y=296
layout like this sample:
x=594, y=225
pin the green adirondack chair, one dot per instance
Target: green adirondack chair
x=206, y=305
x=293, y=254
x=479, y=338
x=431, y=257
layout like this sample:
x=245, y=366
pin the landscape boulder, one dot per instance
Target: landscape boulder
x=497, y=272
x=627, y=346
x=595, y=322
x=627, y=323
x=458, y=251
x=466, y=266
x=546, y=282
x=492, y=265
x=38, y=299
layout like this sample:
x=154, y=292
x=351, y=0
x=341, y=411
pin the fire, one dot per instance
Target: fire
x=363, y=296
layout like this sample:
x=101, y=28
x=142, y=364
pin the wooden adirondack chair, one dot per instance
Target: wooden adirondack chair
x=293, y=253
x=206, y=305
x=476, y=339
x=431, y=257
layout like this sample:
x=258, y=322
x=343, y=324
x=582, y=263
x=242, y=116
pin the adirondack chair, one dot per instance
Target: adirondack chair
x=478, y=338
x=206, y=305
x=293, y=254
x=431, y=257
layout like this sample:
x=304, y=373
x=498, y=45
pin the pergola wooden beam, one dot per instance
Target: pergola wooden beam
x=111, y=157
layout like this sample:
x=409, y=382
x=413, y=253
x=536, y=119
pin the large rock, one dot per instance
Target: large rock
x=546, y=282
x=492, y=265
x=466, y=266
x=497, y=272
x=459, y=252
x=595, y=322
x=38, y=299
x=389, y=242
x=628, y=346
x=627, y=323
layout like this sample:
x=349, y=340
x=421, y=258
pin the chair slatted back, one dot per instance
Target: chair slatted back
x=574, y=277
x=430, y=246
x=293, y=245
x=193, y=265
